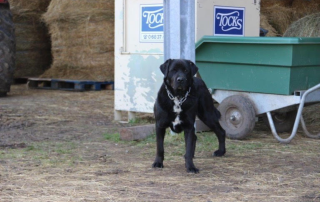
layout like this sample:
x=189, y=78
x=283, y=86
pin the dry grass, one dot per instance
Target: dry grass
x=23, y=10
x=78, y=11
x=82, y=35
x=32, y=39
x=32, y=63
x=66, y=157
x=266, y=25
x=311, y=115
x=253, y=170
x=279, y=17
x=308, y=26
x=269, y=3
x=280, y=14
x=303, y=8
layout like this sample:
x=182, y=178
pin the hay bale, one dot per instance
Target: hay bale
x=303, y=8
x=82, y=35
x=32, y=39
x=28, y=60
x=23, y=7
x=279, y=17
x=269, y=3
x=264, y=23
x=309, y=26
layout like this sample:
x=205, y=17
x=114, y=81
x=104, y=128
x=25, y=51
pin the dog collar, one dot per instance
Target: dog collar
x=173, y=98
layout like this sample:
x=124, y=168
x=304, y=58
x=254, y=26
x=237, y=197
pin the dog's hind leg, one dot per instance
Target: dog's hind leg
x=160, y=133
x=221, y=135
x=210, y=116
x=214, y=124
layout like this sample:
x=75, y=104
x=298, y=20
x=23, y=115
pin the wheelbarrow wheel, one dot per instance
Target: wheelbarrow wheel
x=237, y=116
x=283, y=122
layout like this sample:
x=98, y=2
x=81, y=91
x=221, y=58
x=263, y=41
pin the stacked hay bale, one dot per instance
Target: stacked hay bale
x=33, y=49
x=269, y=3
x=264, y=23
x=306, y=19
x=82, y=36
x=302, y=8
x=278, y=14
x=308, y=26
x=281, y=13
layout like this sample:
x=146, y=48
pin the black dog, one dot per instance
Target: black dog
x=180, y=99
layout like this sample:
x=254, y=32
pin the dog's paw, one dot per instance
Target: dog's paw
x=193, y=170
x=219, y=153
x=157, y=165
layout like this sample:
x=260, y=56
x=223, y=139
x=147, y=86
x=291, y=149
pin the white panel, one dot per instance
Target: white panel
x=137, y=73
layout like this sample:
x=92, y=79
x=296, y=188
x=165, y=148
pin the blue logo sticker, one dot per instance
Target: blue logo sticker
x=228, y=21
x=151, y=23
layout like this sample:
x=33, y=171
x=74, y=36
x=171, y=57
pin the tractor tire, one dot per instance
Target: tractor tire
x=7, y=49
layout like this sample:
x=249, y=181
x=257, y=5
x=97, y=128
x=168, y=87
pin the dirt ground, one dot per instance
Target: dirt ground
x=58, y=146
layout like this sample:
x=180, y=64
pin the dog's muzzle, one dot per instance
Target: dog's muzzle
x=180, y=83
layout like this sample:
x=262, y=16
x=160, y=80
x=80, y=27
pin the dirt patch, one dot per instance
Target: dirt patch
x=57, y=150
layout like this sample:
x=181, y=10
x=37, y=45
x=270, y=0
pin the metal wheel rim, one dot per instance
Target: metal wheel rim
x=234, y=118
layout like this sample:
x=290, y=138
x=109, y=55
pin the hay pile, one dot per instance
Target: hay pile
x=264, y=23
x=278, y=15
x=281, y=13
x=33, y=51
x=82, y=36
x=302, y=8
x=269, y=3
x=308, y=26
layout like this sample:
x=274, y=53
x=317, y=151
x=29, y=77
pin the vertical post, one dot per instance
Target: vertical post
x=187, y=29
x=117, y=115
x=171, y=29
x=131, y=116
x=179, y=29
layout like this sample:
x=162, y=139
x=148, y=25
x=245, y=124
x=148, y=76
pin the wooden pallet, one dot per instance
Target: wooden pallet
x=70, y=85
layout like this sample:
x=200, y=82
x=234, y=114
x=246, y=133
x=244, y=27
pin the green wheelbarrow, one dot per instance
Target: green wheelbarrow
x=269, y=77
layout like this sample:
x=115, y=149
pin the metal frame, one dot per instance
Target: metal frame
x=266, y=103
x=298, y=117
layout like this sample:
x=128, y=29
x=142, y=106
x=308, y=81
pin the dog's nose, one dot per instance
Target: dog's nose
x=180, y=80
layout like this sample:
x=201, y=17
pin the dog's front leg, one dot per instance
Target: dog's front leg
x=160, y=133
x=190, y=140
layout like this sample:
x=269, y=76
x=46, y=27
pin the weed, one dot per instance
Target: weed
x=140, y=121
x=115, y=137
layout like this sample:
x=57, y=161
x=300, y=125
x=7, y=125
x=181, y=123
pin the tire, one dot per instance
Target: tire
x=283, y=122
x=7, y=49
x=237, y=116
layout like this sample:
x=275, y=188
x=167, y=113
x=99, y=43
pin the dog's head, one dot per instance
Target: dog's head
x=178, y=74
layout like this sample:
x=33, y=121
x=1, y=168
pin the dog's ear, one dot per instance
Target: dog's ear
x=165, y=67
x=193, y=67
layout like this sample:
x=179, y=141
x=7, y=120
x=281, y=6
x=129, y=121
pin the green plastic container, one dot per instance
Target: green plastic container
x=276, y=65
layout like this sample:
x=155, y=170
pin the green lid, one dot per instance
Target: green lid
x=259, y=40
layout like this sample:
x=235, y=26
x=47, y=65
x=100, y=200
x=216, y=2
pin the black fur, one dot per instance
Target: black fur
x=179, y=78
